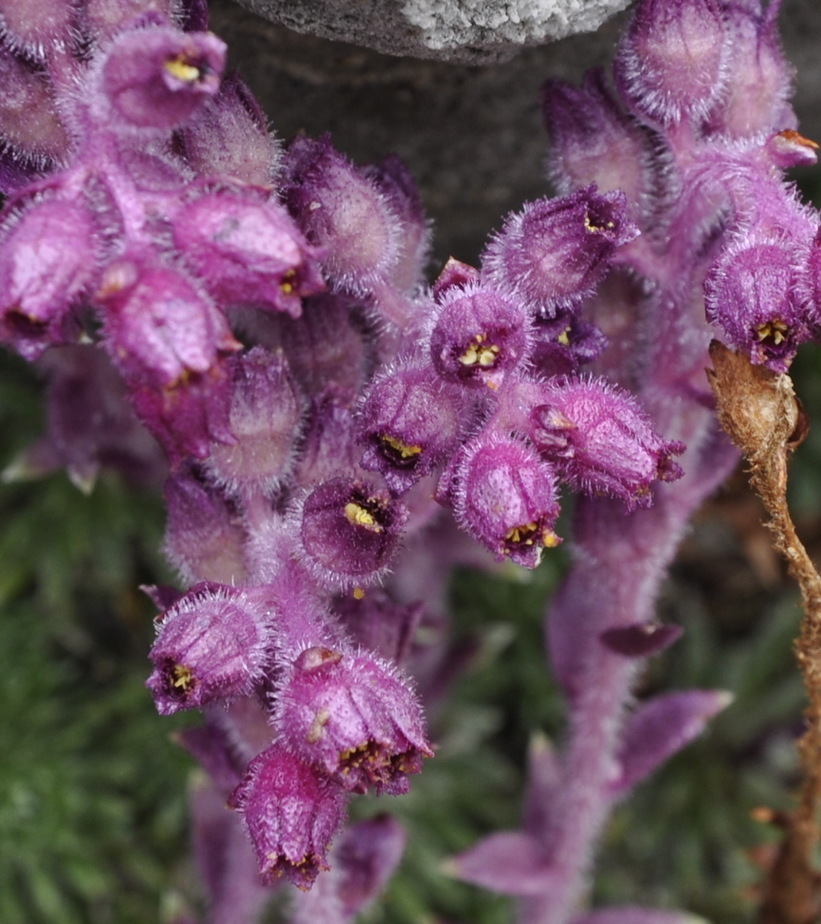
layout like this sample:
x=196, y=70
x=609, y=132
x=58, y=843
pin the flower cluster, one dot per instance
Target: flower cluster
x=328, y=418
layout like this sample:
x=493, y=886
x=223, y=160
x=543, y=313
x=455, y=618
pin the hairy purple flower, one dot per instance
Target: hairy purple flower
x=480, y=336
x=212, y=645
x=159, y=327
x=227, y=137
x=671, y=61
x=600, y=441
x=247, y=250
x=367, y=855
x=554, y=252
x=204, y=536
x=410, y=422
x=291, y=812
x=379, y=623
x=155, y=77
x=354, y=716
x=564, y=343
x=34, y=29
x=593, y=141
x=267, y=410
x=48, y=260
x=342, y=210
x=759, y=77
x=504, y=495
x=348, y=531
x=753, y=293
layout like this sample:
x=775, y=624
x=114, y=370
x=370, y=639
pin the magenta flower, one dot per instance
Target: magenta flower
x=354, y=716
x=212, y=645
x=291, y=813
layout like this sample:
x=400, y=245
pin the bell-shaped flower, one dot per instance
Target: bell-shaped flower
x=48, y=259
x=554, y=252
x=671, y=60
x=267, y=410
x=342, y=210
x=504, y=495
x=354, y=716
x=754, y=293
x=292, y=812
x=159, y=327
x=480, y=335
x=247, y=250
x=348, y=531
x=600, y=441
x=155, y=76
x=32, y=30
x=212, y=645
x=410, y=421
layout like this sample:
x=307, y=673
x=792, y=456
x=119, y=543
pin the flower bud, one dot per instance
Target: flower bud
x=671, y=60
x=291, y=812
x=600, y=440
x=47, y=262
x=592, y=141
x=504, y=495
x=341, y=210
x=348, y=531
x=211, y=646
x=554, y=252
x=752, y=292
x=227, y=137
x=480, y=335
x=33, y=29
x=155, y=77
x=355, y=717
x=159, y=327
x=247, y=251
x=265, y=418
x=203, y=535
x=410, y=422
x=759, y=80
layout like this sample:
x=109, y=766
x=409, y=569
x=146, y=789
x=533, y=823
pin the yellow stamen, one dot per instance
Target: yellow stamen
x=183, y=70
x=182, y=678
x=564, y=337
x=359, y=516
x=286, y=284
x=404, y=450
x=358, y=593
x=479, y=353
x=775, y=331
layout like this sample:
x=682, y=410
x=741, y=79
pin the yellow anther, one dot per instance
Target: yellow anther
x=550, y=540
x=359, y=516
x=522, y=535
x=286, y=284
x=358, y=593
x=182, y=678
x=775, y=331
x=479, y=353
x=403, y=450
x=564, y=337
x=591, y=226
x=183, y=70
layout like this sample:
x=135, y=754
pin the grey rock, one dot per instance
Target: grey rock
x=465, y=31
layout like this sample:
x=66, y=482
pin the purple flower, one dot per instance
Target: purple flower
x=155, y=77
x=247, y=250
x=267, y=410
x=753, y=292
x=342, y=210
x=555, y=252
x=48, y=260
x=600, y=441
x=504, y=495
x=291, y=812
x=348, y=531
x=479, y=337
x=671, y=61
x=212, y=645
x=354, y=716
x=409, y=421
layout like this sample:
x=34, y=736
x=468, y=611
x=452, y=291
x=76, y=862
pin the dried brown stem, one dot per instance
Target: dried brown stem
x=759, y=411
